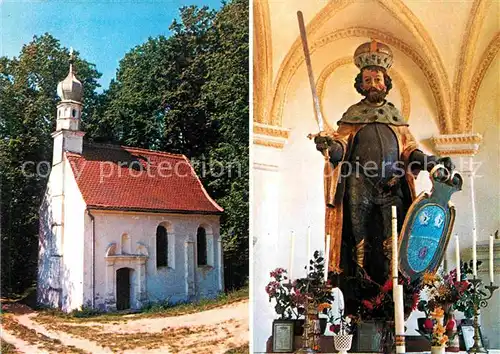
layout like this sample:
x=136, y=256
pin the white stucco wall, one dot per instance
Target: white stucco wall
x=60, y=264
x=182, y=280
x=72, y=243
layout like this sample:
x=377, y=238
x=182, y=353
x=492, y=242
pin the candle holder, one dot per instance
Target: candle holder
x=479, y=300
x=312, y=332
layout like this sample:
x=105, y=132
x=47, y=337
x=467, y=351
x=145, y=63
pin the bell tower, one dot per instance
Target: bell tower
x=68, y=136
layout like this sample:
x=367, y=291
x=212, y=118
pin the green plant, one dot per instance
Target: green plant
x=85, y=311
x=314, y=286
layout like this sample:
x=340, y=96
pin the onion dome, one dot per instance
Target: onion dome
x=70, y=89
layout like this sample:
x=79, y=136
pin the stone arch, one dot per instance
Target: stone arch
x=484, y=63
x=430, y=63
x=397, y=78
x=262, y=57
x=463, y=70
x=423, y=63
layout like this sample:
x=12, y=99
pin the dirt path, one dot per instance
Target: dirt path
x=212, y=331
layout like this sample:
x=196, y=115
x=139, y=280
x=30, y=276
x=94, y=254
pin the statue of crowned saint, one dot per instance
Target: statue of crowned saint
x=371, y=163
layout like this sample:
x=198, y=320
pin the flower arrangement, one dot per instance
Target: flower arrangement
x=437, y=337
x=343, y=324
x=289, y=300
x=381, y=306
x=447, y=292
x=314, y=286
x=291, y=297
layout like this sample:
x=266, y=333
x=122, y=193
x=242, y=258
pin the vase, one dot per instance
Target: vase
x=342, y=342
x=438, y=349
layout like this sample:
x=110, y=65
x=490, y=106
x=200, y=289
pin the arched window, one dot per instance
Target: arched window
x=74, y=113
x=201, y=246
x=161, y=247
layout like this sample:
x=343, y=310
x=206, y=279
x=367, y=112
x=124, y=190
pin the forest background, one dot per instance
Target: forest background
x=186, y=93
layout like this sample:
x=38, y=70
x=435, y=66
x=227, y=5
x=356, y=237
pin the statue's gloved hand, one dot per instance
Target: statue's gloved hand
x=335, y=150
x=421, y=161
x=446, y=161
x=322, y=142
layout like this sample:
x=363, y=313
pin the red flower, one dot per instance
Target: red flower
x=367, y=304
x=450, y=325
x=378, y=299
x=428, y=324
x=416, y=299
x=387, y=286
x=335, y=328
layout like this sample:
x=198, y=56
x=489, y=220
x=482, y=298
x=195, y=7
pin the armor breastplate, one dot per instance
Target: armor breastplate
x=375, y=150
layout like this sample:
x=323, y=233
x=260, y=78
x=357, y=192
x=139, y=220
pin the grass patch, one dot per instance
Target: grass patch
x=163, y=310
x=34, y=338
x=171, y=337
x=7, y=348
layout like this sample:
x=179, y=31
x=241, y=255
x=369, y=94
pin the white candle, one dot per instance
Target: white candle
x=457, y=258
x=492, y=273
x=474, y=252
x=308, y=255
x=327, y=256
x=394, y=246
x=399, y=320
x=474, y=234
x=292, y=247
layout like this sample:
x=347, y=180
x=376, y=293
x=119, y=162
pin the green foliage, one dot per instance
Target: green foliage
x=85, y=312
x=187, y=93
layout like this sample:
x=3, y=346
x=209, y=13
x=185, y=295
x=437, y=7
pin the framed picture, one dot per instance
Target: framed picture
x=468, y=336
x=283, y=336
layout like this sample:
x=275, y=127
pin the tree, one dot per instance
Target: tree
x=188, y=94
x=28, y=102
x=226, y=98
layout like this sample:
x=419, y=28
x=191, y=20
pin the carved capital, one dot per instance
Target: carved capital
x=457, y=144
x=270, y=135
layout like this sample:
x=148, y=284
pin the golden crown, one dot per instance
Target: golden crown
x=373, y=53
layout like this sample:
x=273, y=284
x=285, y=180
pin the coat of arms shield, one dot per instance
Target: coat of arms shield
x=428, y=225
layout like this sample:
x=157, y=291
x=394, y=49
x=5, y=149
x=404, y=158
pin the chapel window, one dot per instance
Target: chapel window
x=201, y=246
x=161, y=247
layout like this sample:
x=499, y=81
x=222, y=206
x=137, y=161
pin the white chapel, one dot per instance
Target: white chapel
x=121, y=227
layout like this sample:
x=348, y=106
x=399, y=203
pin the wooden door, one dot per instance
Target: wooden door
x=123, y=289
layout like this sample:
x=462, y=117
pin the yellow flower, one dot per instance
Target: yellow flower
x=439, y=329
x=429, y=278
x=443, y=290
x=437, y=313
x=324, y=305
x=444, y=339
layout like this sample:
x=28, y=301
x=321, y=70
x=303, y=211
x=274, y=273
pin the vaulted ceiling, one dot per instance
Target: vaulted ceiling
x=452, y=43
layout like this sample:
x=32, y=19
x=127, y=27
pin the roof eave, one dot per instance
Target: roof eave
x=157, y=211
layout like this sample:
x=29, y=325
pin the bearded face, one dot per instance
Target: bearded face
x=373, y=85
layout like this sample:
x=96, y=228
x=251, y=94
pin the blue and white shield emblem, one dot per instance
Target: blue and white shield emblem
x=428, y=225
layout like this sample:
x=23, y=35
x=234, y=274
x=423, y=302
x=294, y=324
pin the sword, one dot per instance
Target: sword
x=307, y=57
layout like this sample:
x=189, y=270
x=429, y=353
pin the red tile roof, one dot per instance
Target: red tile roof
x=126, y=178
